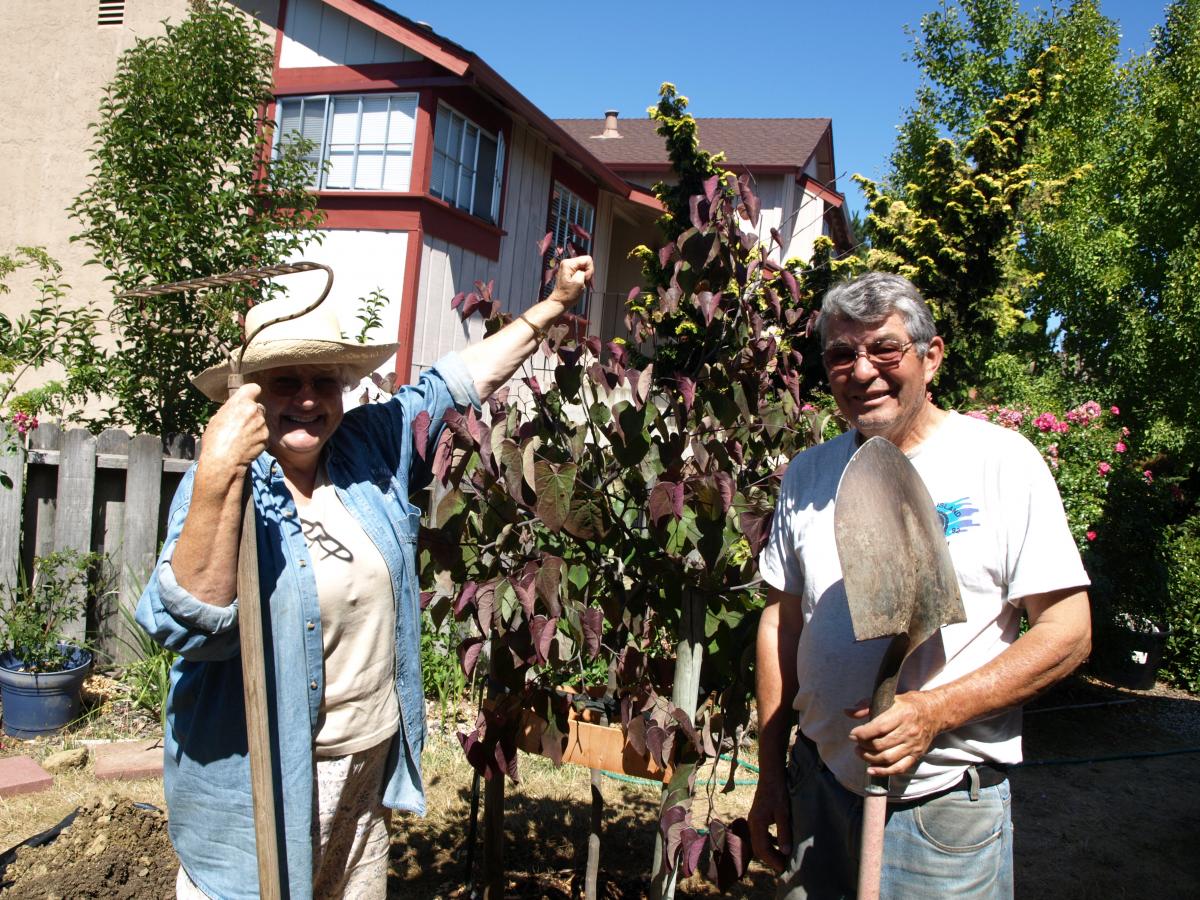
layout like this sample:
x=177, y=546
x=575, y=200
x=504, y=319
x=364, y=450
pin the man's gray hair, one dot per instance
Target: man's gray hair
x=871, y=298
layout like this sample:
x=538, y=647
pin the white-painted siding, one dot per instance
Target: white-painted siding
x=318, y=35
x=362, y=262
x=447, y=269
x=809, y=223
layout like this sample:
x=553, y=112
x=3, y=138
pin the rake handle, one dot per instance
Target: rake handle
x=254, y=688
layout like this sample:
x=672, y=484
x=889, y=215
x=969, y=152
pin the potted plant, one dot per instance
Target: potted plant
x=41, y=672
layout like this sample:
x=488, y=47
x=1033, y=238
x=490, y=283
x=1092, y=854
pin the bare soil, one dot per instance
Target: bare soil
x=1108, y=805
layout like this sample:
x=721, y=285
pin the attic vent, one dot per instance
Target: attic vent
x=111, y=12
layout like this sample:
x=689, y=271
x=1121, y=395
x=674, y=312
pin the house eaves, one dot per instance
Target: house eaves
x=473, y=70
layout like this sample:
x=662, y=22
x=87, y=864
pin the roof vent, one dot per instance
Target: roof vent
x=425, y=25
x=610, y=125
x=110, y=12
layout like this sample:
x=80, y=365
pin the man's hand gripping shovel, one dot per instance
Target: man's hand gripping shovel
x=900, y=584
x=263, y=762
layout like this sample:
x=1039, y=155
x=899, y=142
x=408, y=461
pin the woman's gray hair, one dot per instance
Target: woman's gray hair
x=871, y=298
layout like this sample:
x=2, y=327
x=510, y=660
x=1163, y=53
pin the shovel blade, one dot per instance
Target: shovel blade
x=897, y=570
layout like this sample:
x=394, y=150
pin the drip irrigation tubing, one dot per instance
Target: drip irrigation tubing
x=739, y=782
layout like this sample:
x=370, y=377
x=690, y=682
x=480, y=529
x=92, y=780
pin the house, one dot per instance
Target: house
x=790, y=163
x=435, y=172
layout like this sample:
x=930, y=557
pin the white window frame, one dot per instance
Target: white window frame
x=456, y=145
x=393, y=151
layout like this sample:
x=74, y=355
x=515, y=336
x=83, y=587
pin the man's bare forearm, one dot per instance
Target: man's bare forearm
x=1053, y=647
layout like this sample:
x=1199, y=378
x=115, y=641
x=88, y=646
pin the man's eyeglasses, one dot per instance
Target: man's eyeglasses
x=291, y=385
x=882, y=355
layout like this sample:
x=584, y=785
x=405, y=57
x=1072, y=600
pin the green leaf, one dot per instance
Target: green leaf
x=586, y=521
x=555, y=485
x=452, y=503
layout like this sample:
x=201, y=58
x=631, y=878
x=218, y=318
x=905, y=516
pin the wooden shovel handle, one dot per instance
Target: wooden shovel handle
x=870, y=860
x=254, y=692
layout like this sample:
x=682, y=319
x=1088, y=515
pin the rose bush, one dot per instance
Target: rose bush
x=1086, y=447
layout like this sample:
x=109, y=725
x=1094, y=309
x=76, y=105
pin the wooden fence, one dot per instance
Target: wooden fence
x=108, y=494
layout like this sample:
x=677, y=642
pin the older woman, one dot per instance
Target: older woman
x=336, y=537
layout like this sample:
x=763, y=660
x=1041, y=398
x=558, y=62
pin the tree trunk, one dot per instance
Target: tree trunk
x=689, y=654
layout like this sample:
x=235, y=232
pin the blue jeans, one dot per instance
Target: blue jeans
x=957, y=844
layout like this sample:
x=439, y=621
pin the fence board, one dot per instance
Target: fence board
x=73, y=515
x=143, y=495
x=12, y=473
x=41, y=491
x=108, y=521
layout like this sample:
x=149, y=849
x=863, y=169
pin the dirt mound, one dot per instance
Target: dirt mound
x=113, y=848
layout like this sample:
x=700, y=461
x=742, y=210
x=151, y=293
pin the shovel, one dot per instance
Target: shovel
x=900, y=584
x=258, y=731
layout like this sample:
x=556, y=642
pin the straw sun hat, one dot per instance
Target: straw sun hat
x=314, y=338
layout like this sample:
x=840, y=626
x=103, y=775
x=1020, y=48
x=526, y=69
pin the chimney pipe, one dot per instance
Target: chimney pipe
x=610, y=124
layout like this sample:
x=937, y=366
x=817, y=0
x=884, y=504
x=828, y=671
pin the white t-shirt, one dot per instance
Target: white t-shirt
x=358, y=627
x=1008, y=539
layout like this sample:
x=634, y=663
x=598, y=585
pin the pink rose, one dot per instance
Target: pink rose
x=1149, y=476
x=1104, y=468
x=1114, y=410
x=807, y=407
x=1091, y=535
x=1119, y=446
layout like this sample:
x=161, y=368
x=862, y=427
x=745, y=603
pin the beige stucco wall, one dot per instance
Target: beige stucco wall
x=55, y=65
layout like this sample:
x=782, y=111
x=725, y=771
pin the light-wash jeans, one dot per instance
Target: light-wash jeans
x=952, y=845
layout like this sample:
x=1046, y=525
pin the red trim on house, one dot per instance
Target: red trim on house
x=389, y=211
x=459, y=61
x=422, y=163
x=646, y=199
x=280, y=18
x=361, y=78
x=810, y=184
x=573, y=180
x=406, y=335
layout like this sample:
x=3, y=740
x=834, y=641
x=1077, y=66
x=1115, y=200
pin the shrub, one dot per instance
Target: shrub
x=1182, y=663
x=34, y=615
x=1085, y=447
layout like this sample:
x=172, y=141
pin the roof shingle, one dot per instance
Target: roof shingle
x=747, y=142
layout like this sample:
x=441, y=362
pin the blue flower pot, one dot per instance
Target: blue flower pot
x=38, y=703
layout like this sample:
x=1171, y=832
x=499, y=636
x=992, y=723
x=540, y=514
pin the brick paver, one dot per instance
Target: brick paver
x=21, y=775
x=128, y=759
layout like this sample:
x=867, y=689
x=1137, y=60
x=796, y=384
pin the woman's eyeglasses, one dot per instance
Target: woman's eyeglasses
x=882, y=355
x=291, y=385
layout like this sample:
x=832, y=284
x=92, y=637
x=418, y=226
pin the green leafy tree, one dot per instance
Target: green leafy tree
x=183, y=186
x=970, y=54
x=953, y=234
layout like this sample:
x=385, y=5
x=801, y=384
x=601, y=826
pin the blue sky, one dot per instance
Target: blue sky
x=842, y=60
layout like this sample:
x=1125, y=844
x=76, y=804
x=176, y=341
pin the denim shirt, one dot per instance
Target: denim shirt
x=372, y=464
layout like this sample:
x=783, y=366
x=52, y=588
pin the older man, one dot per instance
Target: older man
x=956, y=722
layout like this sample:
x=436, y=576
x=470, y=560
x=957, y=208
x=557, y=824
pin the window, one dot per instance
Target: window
x=468, y=165
x=367, y=141
x=566, y=209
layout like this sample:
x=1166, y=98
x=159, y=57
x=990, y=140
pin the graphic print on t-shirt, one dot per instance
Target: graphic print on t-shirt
x=955, y=515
